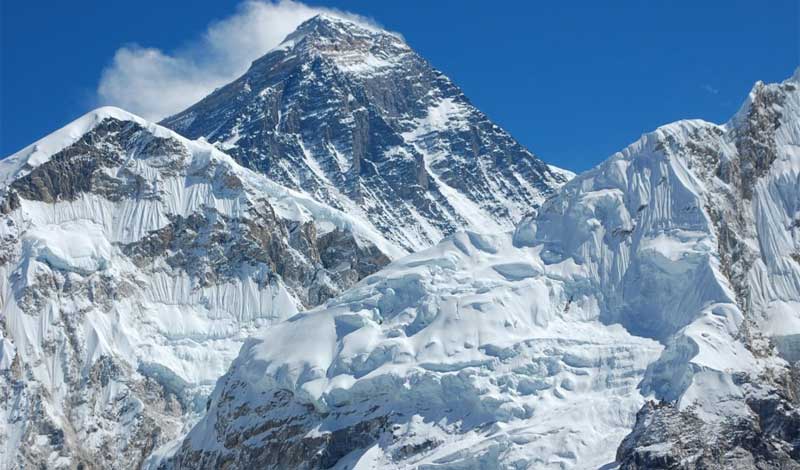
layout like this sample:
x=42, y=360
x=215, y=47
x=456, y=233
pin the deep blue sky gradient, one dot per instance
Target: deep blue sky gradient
x=574, y=81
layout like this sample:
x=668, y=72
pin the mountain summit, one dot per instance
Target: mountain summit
x=134, y=261
x=351, y=115
x=343, y=34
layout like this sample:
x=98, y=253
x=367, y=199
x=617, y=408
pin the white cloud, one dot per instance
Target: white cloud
x=711, y=89
x=156, y=84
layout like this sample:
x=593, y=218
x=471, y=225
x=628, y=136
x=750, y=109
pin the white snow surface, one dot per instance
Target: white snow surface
x=479, y=343
x=161, y=322
x=78, y=246
x=537, y=349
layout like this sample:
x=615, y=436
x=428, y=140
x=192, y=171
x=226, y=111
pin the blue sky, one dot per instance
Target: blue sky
x=573, y=81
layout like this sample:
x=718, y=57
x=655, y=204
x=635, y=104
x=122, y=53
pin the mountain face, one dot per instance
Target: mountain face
x=353, y=117
x=134, y=262
x=648, y=314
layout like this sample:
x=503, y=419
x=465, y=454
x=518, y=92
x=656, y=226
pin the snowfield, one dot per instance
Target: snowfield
x=476, y=349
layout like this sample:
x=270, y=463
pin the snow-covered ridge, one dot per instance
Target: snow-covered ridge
x=671, y=271
x=568, y=175
x=40, y=151
x=134, y=262
x=291, y=204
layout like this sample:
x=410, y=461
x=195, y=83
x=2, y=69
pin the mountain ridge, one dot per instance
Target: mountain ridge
x=137, y=261
x=379, y=276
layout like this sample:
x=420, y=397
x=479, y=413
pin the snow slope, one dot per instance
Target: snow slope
x=134, y=262
x=669, y=271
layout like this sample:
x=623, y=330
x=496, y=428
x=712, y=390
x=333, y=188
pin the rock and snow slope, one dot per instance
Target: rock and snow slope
x=670, y=271
x=355, y=118
x=133, y=263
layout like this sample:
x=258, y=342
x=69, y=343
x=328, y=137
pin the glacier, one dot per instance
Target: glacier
x=471, y=354
x=643, y=317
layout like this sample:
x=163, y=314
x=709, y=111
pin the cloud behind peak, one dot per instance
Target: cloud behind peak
x=155, y=84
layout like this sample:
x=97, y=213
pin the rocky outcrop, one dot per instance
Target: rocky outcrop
x=129, y=417
x=284, y=438
x=665, y=437
x=79, y=168
x=212, y=247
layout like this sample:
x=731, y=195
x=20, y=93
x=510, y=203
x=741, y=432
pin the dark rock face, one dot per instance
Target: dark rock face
x=755, y=139
x=78, y=168
x=284, y=438
x=212, y=247
x=667, y=438
x=358, y=120
x=338, y=250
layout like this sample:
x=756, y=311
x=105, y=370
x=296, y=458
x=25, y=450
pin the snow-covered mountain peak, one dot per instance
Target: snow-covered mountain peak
x=41, y=150
x=354, y=48
x=326, y=27
x=352, y=116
